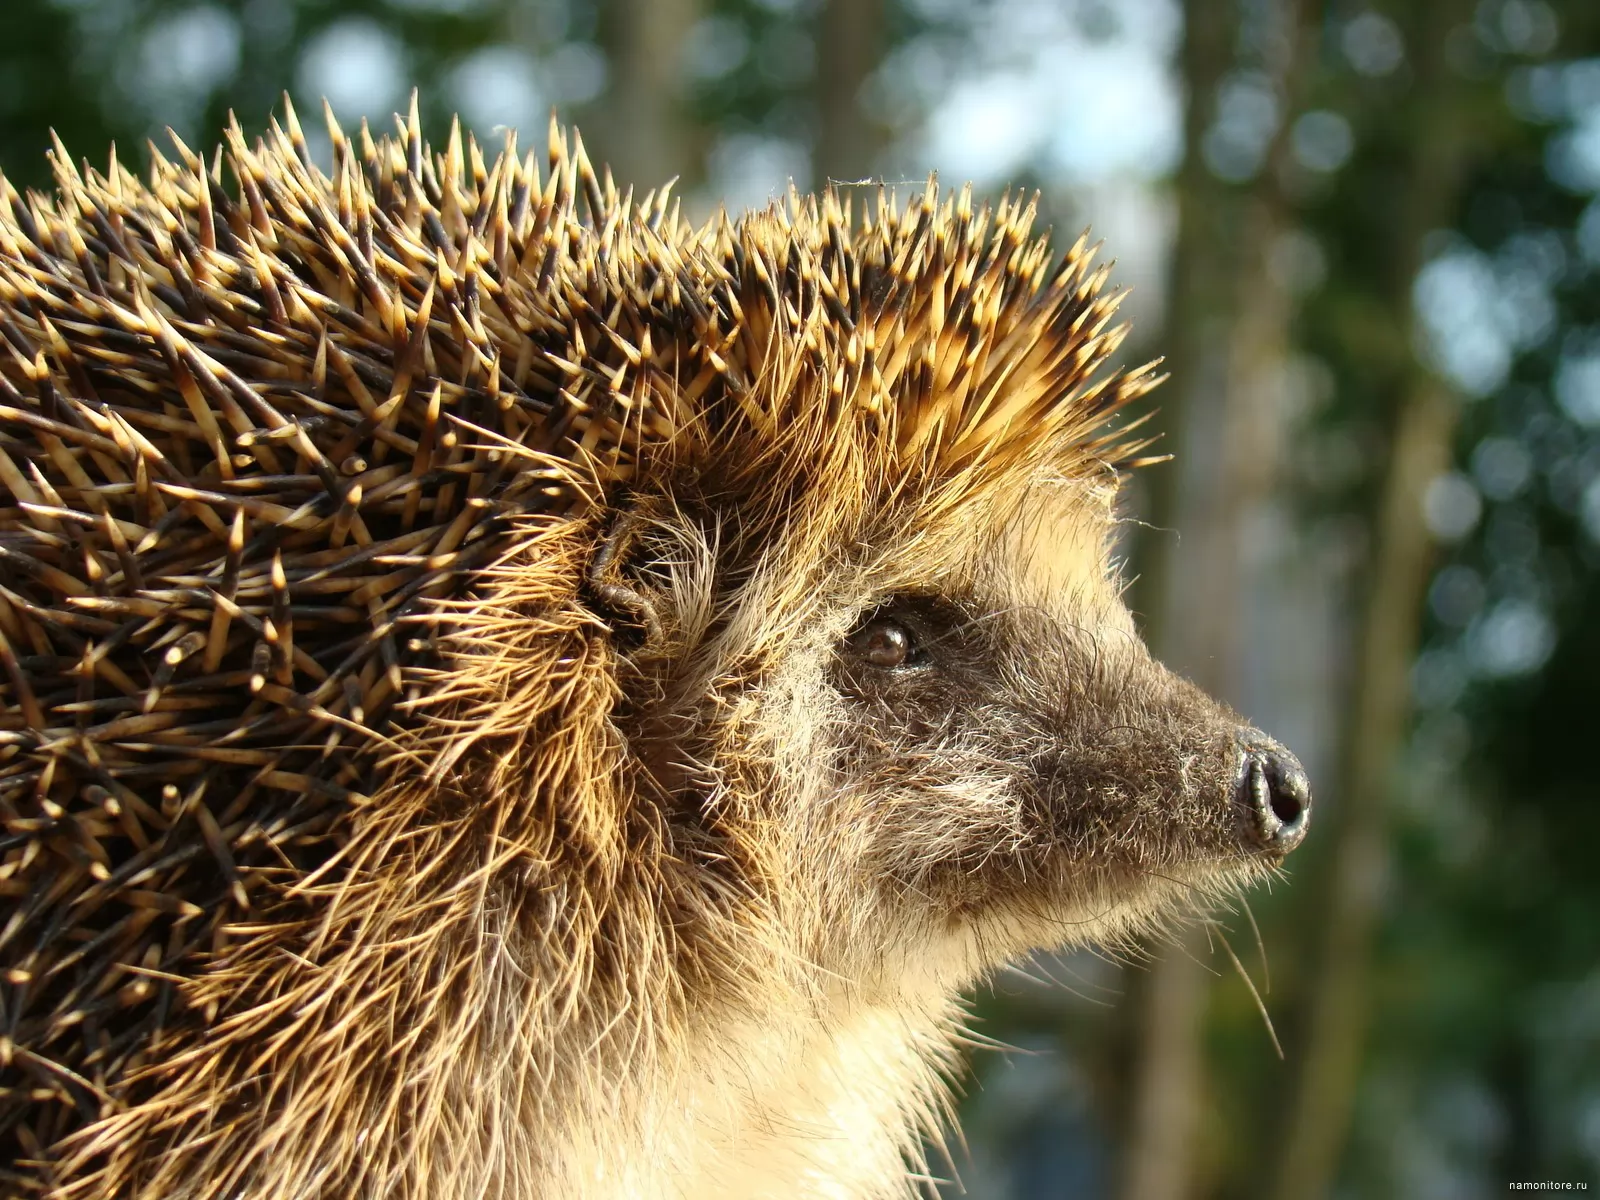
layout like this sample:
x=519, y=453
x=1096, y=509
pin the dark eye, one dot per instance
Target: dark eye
x=884, y=642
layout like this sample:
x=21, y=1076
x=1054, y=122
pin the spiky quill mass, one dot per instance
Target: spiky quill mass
x=281, y=451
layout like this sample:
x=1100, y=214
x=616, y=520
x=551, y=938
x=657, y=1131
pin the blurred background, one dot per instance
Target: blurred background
x=1367, y=237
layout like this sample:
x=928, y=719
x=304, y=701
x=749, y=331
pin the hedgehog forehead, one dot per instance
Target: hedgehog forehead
x=1044, y=546
x=1049, y=548
x=1056, y=555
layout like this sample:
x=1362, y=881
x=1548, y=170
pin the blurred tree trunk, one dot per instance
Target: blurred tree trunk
x=1380, y=711
x=848, y=140
x=1229, y=325
x=1165, y=1109
x=650, y=130
x=1380, y=701
x=1169, y=997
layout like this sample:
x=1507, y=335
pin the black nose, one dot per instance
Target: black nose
x=1276, y=796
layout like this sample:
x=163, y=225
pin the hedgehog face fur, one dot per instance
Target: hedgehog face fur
x=507, y=693
x=949, y=728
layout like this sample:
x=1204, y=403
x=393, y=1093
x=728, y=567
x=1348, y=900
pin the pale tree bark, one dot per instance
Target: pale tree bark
x=1381, y=709
x=1229, y=325
x=650, y=131
x=1380, y=701
x=1162, y=1111
x=848, y=139
x=1165, y=1107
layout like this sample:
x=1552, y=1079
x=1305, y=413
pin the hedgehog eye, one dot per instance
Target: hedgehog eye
x=885, y=642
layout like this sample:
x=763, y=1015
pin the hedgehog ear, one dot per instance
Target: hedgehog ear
x=621, y=603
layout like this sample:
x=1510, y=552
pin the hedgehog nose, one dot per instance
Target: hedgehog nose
x=1275, y=795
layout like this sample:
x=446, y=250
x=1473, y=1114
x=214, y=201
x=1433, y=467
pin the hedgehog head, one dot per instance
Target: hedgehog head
x=855, y=570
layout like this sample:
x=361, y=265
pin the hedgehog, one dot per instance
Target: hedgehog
x=511, y=692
